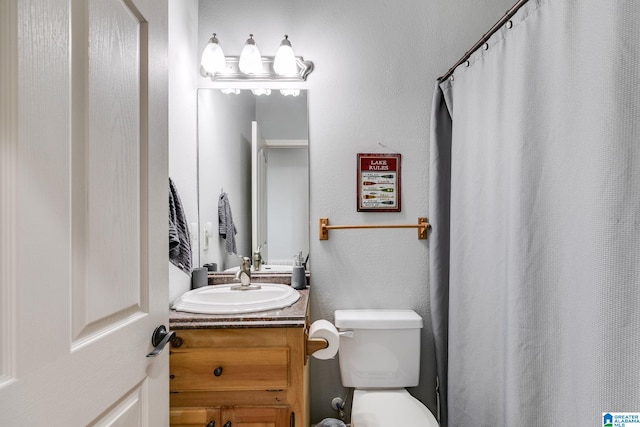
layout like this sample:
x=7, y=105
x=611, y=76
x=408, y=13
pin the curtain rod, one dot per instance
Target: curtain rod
x=485, y=37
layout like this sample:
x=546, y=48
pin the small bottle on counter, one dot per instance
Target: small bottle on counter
x=298, y=275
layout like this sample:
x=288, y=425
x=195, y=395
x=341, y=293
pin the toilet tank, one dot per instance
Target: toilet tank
x=379, y=348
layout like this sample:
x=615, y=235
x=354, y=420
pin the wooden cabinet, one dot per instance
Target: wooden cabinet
x=239, y=377
x=195, y=417
x=247, y=416
x=258, y=416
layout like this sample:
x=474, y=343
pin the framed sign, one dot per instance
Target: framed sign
x=378, y=182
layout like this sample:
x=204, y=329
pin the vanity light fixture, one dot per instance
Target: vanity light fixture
x=213, y=61
x=250, y=66
x=284, y=64
x=250, y=58
x=260, y=91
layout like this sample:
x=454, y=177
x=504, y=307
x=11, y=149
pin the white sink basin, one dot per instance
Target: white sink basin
x=265, y=268
x=221, y=299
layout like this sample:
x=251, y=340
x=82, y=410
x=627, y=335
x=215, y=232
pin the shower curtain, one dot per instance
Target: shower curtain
x=535, y=206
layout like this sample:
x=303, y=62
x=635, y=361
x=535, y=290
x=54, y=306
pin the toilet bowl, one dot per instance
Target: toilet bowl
x=389, y=408
x=380, y=355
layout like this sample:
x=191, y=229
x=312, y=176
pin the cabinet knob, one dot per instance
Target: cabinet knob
x=211, y=424
x=217, y=372
x=176, y=342
x=227, y=424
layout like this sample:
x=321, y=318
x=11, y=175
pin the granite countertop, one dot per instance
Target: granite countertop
x=293, y=316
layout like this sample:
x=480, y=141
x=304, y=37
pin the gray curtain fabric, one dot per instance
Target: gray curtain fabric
x=535, y=206
x=439, y=202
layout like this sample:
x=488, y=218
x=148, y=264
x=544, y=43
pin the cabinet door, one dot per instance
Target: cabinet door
x=256, y=416
x=190, y=417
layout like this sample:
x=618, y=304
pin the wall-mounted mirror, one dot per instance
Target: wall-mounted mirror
x=254, y=149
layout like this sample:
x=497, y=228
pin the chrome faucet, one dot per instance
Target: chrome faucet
x=257, y=257
x=244, y=275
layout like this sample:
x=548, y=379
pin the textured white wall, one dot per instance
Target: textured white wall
x=376, y=62
x=183, y=53
x=288, y=210
x=224, y=136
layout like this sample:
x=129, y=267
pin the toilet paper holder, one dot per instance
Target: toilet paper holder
x=314, y=344
x=321, y=339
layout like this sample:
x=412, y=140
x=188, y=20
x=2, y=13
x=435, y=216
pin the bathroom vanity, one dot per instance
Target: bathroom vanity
x=240, y=370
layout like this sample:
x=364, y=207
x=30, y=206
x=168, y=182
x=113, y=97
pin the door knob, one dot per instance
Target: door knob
x=159, y=339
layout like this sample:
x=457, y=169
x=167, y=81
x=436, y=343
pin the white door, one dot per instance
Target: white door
x=83, y=212
x=258, y=190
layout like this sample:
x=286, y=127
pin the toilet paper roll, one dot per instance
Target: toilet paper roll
x=324, y=329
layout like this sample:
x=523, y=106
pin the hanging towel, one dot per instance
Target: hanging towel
x=226, y=227
x=179, y=240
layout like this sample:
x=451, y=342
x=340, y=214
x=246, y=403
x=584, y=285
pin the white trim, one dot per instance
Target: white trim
x=8, y=187
x=287, y=143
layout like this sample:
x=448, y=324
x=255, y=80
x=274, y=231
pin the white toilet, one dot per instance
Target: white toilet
x=380, y=355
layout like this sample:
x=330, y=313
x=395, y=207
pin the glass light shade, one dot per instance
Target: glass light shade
x=250, y=59
x=213, y=60
x=230, y=91
x=284, y=63
x=290, y=92
x=259, y=91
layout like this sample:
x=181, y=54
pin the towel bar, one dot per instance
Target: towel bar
x=422, y=226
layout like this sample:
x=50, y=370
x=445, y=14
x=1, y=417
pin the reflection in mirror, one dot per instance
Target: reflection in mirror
x=254, y=149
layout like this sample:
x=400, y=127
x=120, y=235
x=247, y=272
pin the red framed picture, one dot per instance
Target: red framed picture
x=378, y=182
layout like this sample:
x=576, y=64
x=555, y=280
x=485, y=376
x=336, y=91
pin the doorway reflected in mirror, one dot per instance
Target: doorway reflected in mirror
x=254, y=149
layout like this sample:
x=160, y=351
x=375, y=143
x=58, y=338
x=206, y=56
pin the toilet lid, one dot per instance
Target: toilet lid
x=385, y=408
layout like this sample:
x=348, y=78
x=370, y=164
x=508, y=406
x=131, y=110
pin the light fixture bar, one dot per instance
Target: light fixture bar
x=232, y=71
